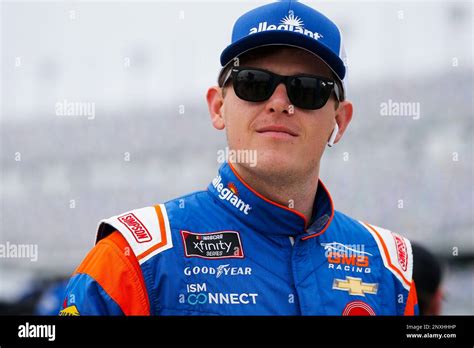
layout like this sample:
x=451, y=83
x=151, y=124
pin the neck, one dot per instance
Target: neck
x=293, y=191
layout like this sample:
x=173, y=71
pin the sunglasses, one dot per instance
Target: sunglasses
x=304, y=91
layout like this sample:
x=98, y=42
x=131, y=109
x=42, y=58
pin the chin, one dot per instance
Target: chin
x=276, y=162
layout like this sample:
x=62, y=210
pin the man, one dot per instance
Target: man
x=264, y=238
x=428, y=274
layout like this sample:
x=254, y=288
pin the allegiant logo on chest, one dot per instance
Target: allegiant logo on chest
x=230, y=194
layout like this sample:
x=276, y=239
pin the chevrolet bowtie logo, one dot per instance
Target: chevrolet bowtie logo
x=355, y=286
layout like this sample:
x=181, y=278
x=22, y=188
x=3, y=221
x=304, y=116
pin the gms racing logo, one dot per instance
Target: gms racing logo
x=288, y=23
x=230, y=194
x=350, y=258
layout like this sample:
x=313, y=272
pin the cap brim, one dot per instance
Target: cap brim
x=287, y=38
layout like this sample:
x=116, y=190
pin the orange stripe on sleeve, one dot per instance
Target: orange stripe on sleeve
x=114, y=266
x=412, y=301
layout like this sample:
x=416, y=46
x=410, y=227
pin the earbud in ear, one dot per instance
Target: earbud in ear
x=333, y=135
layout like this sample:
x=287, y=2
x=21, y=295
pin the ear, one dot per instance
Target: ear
x=343, y=118
x=215, y=101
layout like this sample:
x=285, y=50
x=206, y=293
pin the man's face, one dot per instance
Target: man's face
x=287, y=140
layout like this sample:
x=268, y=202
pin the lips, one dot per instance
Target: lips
x=275, y=129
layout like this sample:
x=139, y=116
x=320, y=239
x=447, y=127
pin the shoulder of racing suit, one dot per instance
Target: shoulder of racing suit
x=146, y=230
x=397, y=257
x=107, y=282
x=110, y=281
x=394, y=250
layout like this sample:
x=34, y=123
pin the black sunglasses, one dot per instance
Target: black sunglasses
x=304, y=91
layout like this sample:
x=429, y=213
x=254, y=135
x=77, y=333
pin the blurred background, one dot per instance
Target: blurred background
x=140, y=70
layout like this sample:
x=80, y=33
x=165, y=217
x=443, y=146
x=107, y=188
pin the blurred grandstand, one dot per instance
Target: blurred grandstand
x=61, y=174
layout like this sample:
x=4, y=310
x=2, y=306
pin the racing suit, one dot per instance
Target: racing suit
x=228, y=250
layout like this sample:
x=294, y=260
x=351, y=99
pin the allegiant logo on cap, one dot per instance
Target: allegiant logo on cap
x=288, y=23
x=230, y=194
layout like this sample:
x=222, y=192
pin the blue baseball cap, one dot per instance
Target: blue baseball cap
x=289, y=23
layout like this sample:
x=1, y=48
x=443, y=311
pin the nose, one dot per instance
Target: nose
x=279, y=102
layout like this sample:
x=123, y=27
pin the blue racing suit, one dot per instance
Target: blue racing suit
x=228, y=250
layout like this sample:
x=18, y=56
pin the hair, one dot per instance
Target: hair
x=427, y=275
x=259, y=52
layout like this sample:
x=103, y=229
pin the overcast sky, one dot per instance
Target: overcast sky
x=126, y=53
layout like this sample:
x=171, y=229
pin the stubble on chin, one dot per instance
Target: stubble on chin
x=273, y=170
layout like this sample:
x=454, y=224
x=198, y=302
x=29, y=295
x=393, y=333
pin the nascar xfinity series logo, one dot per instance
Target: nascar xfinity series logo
x=349, y=258
x=214, y=245
x=230, y=194
x=288, y=23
